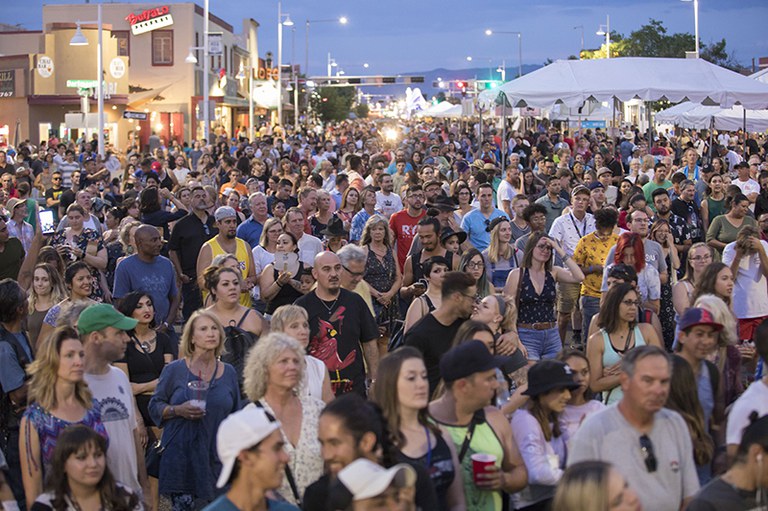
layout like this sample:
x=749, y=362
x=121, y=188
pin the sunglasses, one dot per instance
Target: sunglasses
x=646, y=447
x=353, y=273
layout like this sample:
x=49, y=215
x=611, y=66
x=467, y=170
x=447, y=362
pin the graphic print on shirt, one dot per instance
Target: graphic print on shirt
x=324, y=346
x=113, y=410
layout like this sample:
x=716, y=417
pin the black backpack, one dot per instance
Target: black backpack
x=237, y=342
x=10, y=414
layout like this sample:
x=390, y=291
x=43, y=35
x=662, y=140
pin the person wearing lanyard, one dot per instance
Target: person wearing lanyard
x=568, y=230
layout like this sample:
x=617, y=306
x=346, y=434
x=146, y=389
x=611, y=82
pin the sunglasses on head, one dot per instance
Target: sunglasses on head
x=649, y=457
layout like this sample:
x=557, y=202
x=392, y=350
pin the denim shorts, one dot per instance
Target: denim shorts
x=541, y=344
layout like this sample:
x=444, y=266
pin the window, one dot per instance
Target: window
x=123, y=43
x=162, y=48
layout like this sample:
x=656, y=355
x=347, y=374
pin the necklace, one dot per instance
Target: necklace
x=329, y=308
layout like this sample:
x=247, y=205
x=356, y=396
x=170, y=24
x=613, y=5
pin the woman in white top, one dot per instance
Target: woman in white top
x=264, y=252
x=581, y=405
x=273, y=375
x=538, y=433
x=293, y=320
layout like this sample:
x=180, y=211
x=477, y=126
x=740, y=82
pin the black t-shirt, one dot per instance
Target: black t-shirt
x=11, y=258
x=721, y=496
x=432, y=339
x=66, y=198
x=616, y=169
x=187, y=238
x=336, y=331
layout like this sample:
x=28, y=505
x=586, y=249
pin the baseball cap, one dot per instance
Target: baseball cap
x=467, y=359
x=697, y=316
x=238, y=432
x=224, y=212
x=595, y=184
x=156, y=165
x=364, y=479
x=100, y=316
x=548, y=375
x=603, y=170
x=579, y=189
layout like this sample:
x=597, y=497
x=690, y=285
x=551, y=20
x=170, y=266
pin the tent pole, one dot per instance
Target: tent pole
x=503, y=136
x=711, y=137
x=745, y=122
x=650, y=124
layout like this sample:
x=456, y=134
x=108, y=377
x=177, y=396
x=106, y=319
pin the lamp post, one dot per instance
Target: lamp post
x=490, y=32
x=331, y=63
x=79, y=40
x=342, y=20
x=582, y=38
x=191, y=59
x=280, y=23
x=695, y=22
x=607, y=33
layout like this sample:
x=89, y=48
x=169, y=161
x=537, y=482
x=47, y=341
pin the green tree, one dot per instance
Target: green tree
x=362, y=110
x=333, y=103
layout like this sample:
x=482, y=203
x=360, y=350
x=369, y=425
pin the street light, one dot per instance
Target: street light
x=582, y=38
x=288, y=23
x=606, y=31
x=343, y=20
x=79, y=40
x=490, y=32
x=696, y=22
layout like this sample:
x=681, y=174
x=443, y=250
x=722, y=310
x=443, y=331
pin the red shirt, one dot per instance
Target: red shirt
x=404, y=227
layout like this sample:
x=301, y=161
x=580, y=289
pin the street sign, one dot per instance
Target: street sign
x=215, y=43
x=140, y=116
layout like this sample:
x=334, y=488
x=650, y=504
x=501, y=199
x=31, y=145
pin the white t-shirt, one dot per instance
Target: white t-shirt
x=750, y=299
x=118, y=413
x=747, y=187
x=388, y=204
x=754, y=399
x=505, y=192
x=309, y=247
x=261, y=258
x=312, y=385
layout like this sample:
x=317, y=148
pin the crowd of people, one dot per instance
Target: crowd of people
x=330, y=319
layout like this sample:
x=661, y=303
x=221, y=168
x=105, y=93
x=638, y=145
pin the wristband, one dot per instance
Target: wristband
x=172, y=411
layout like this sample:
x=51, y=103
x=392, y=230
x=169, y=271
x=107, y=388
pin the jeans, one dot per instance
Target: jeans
x=9, y=443
x=590, y=306
x=540, y=344
x=191, y=298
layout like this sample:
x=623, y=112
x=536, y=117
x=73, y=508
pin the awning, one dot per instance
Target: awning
x=138, y=99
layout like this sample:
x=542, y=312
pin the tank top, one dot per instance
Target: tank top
x=715, y=208
x=484, y=440
x=418, y=268
x=537, y=308
x=611, y=357
x=439, y=465
x=241, y=253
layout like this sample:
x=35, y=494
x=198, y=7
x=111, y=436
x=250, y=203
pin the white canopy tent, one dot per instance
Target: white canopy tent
x=760, y=76
x=674, y=114
x=572, y=82
x=453, y=111
x=726, y=119
x=433, y=110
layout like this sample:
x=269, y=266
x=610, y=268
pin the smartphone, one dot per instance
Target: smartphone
x=47, y=222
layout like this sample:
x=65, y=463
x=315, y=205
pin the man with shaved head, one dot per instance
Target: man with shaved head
x=340, y=322
x=149, y=272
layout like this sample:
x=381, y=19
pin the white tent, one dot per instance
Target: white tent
x=435, y=109
x=572, y=82
x=674, y=114
x=760, y=76
x=453, y=111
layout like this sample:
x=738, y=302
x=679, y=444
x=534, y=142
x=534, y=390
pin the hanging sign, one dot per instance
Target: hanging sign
x=149, y=20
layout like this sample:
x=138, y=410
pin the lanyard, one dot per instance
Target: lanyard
x=573, y=221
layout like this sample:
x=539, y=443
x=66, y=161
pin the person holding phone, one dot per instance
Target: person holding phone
x=280, y=281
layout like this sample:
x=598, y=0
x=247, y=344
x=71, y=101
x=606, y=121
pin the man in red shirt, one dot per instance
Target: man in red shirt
x=404, y=222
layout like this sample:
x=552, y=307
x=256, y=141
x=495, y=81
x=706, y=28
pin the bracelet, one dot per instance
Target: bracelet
x=565, y=257
x=172, y=411
x=278, y=284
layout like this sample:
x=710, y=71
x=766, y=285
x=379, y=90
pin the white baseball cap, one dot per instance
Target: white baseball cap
x=238, y=432
x=365, y=479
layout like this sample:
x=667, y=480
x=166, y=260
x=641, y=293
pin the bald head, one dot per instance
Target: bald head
x=327, y=273
x=149, y=243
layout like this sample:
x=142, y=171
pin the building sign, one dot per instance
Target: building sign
x=215, y=43
x=82, y=84
x=117, y=68
x=7, y=83
x=149, y=20
x=45, y=66
x=593, y=124
x=141, y=116
x=263, y=73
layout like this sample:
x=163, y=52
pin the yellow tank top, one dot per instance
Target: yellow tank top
x=241, y=253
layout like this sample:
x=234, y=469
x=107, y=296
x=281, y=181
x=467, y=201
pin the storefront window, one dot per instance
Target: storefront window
x=123, y=43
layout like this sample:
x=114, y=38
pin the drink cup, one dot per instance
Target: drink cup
x=197, y=392
x=480, y=464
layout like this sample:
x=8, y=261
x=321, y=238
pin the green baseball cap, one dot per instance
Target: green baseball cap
x=100, y=316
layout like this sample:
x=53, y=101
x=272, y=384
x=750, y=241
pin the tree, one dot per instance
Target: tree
x=362, y=110
x=333, y=103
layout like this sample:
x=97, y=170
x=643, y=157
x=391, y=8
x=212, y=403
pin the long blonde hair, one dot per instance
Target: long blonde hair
x=58, y=289
x=496, y=246
x=186, y=348
x=45, y=371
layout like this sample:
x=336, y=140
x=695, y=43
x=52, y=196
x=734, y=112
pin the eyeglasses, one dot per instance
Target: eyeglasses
x=646, y=447
x=475, y=298
x=476, y=266
x=353, y=273
x=631, y=303
x=701, y=258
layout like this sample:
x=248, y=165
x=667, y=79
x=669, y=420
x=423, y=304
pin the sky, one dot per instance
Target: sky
x=402, y=36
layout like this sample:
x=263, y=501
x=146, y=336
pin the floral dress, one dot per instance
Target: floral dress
x=380, y=275
x=667, y=310
x=81, y=241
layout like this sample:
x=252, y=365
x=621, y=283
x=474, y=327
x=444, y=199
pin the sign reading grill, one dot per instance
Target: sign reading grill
x=139, y=116
x=150, y=19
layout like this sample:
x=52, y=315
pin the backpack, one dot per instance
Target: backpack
x=237, y=343
x=10, y=414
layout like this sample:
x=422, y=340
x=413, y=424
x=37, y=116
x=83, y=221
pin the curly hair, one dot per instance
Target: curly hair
x=44, y=371
x=263, y=355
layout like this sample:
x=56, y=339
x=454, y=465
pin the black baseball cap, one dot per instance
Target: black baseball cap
x=548, y=375
x=467, y=359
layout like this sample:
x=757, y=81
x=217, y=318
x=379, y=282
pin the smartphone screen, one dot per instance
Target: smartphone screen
x=47, y=223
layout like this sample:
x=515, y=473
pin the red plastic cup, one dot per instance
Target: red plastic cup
x=480, y=464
